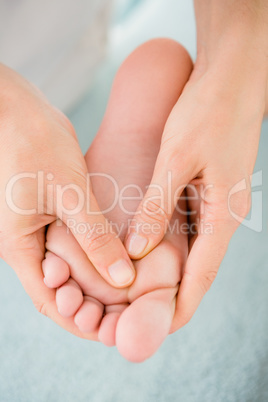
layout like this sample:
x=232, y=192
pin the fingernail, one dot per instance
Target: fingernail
x=121, y=273
x=136, y=244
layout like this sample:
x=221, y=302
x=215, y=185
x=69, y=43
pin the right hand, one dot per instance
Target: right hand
x=39, y=156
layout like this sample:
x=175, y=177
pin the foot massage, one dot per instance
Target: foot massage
x=119, y=246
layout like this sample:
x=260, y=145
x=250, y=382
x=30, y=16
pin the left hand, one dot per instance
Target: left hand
x=210, y=142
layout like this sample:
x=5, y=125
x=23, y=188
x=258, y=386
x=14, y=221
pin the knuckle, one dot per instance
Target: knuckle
x=206, y=280
x=172, y=152
x=203, y=280
x=41, y=308
x=152, y=212
x=94, y=242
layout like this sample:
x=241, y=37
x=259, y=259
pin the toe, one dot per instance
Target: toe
x=145, y=324
x=56, y=270
x=109, y=322
x=89, y=315
x=69, y=298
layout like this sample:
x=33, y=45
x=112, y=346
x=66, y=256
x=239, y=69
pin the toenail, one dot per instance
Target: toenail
x=136, y=244
x=121, y=273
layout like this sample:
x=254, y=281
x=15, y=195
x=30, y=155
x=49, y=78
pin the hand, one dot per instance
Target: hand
x=43, y=177
x=210, y=143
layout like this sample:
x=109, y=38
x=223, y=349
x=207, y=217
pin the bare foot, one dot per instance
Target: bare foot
x=136, y=319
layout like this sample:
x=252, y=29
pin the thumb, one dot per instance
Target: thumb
x=95, y=235
x=171, y=175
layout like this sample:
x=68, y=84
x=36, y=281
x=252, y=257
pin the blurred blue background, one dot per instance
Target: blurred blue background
x=221, y=355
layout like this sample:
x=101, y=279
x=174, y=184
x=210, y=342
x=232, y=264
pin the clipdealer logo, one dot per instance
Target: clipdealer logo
x=48, y=198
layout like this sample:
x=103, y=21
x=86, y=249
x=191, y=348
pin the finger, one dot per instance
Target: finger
x=200, y=271
x=171, y=175
x=220, y=213
x=27, y=263
x=97, y=238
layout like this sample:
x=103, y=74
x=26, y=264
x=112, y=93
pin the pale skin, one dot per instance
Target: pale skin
x=137, y=319
x=82, y=295
x=27, y=118
x=222, y=106
x=36, y=137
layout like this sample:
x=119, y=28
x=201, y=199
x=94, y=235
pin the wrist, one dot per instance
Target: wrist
x=232, y=42
x=231, y=90
x=237, y=23
x=232, y=56
x=236, y=52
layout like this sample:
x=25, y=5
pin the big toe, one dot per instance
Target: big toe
x=145, y=324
